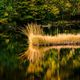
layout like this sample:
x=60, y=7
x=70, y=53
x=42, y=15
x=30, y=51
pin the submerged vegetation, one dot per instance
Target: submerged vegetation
x=29, y=53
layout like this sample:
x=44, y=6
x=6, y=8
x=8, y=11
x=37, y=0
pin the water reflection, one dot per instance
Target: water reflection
x=61, y=66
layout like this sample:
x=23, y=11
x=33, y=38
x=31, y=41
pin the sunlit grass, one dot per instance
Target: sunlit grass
x=39, y=42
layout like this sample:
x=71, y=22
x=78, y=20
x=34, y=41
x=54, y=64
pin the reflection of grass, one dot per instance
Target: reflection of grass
x=31, y=30
x=36, y=38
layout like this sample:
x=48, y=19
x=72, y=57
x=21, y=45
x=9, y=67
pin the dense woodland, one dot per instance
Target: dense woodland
x=55, y=16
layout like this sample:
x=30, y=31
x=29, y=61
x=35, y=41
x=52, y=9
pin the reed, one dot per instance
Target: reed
x=39, y=42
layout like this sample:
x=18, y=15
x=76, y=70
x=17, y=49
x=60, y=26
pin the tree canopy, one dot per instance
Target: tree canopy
x=21, y=12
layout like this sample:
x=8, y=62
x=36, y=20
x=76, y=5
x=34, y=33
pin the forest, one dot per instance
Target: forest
x=55, y=17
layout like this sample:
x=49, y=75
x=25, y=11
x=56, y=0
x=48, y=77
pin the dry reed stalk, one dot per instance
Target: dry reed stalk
x=39, y=43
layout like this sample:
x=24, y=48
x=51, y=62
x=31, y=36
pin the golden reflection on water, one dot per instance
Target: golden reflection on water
x=39, y=44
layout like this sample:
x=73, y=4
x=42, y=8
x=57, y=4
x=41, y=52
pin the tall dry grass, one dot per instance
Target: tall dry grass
x=39, y=43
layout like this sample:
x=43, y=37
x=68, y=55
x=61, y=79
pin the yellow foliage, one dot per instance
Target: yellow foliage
x=63, y=62
x=34, y=68
x=53, y=66
x=70, y=55
x=5, y=14
x=48, y=74
x=76, y=63
x=55, y=10
x=3, y=21
x=31, y=68
x=7, y=40
x=45, y=5
x=68, y=4
x=38, y=69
